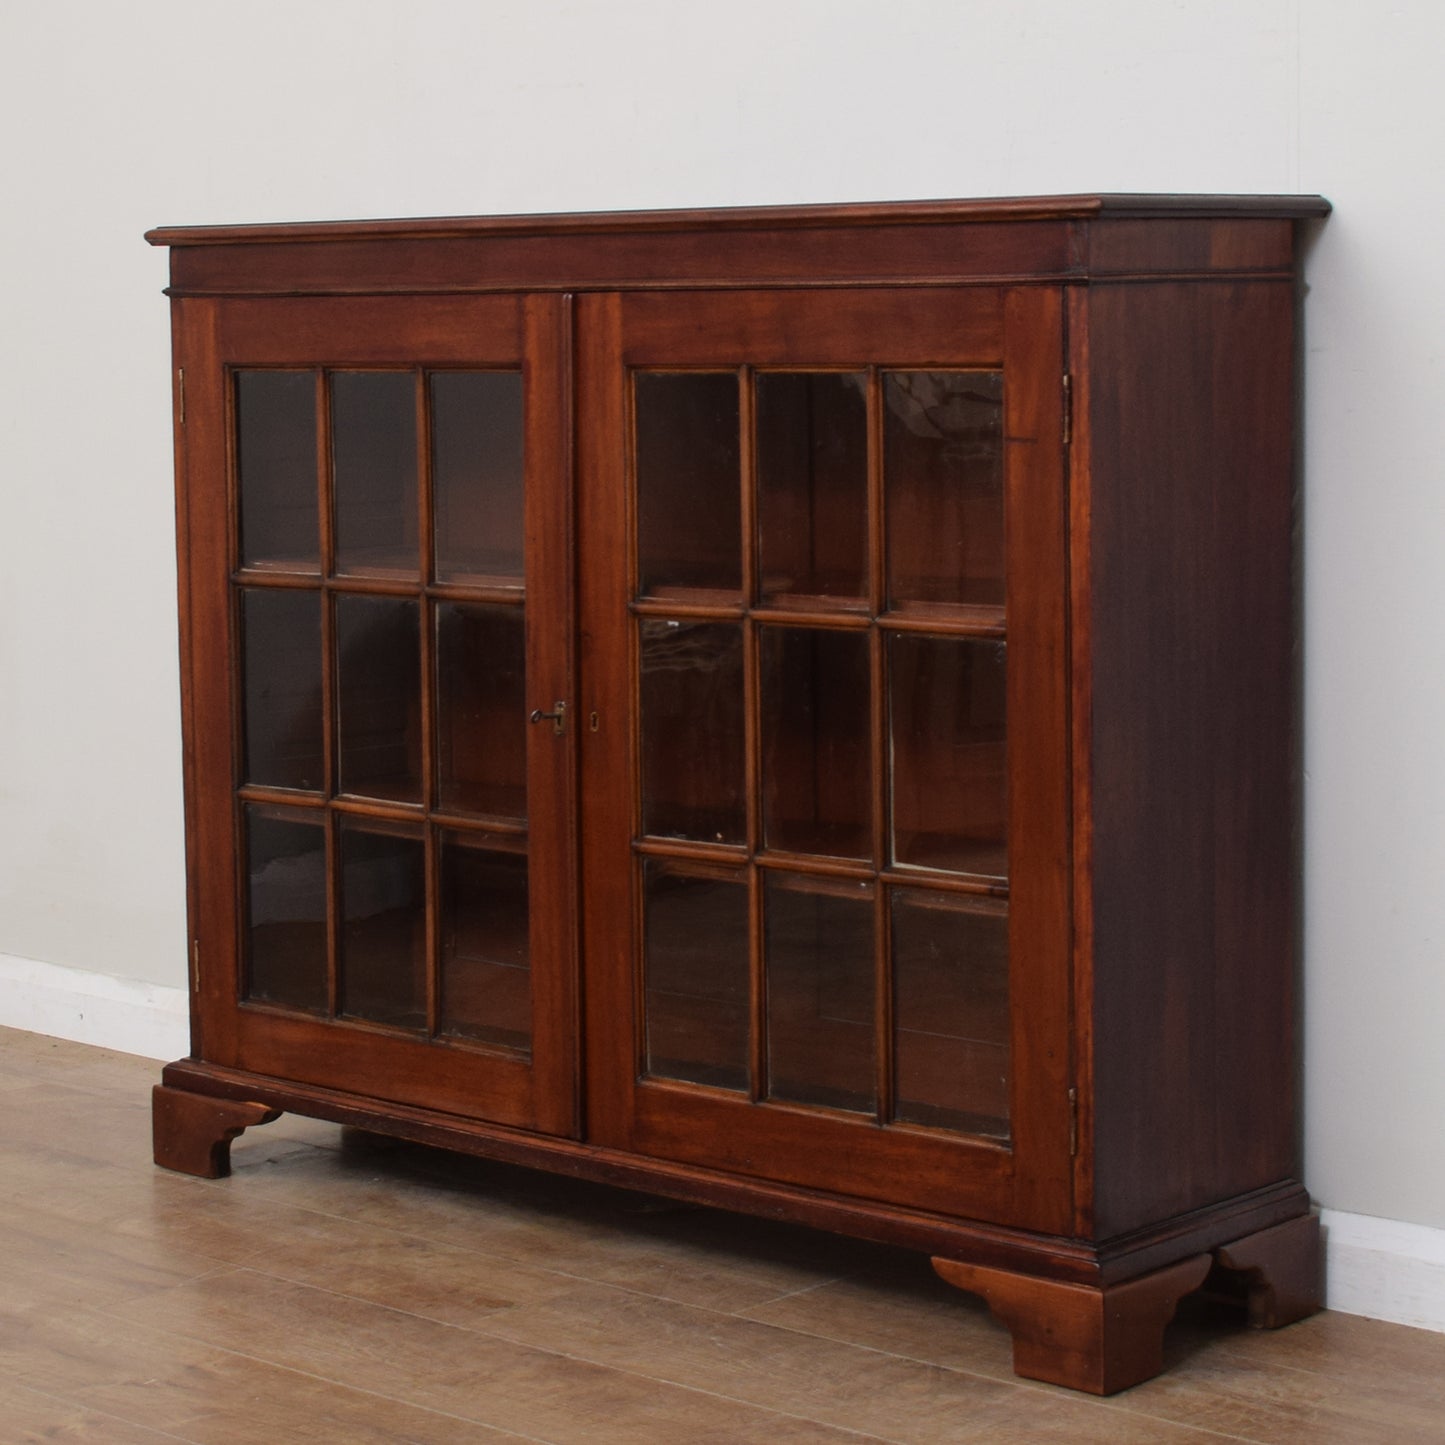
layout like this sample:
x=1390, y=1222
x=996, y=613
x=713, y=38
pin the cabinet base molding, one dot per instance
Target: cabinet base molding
x=203, y=1093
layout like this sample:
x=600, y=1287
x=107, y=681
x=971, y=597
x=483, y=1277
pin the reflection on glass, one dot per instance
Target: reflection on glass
x=943, y=485
x=819, y=959
x=946, y=701
x=285, y=939
x=481, y=714
x=951, y=1011
x=477, y=473
x=817, y=794
x=812, y=462
x=276, y=467
x=485, y=980
x=379, y=685
x=696, y=974
x=692, y=730
x=281, y=667
x=689, y=481
x=373, y=457
x=382, y=967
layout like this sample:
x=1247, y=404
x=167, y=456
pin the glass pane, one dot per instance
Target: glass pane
x=276, y=464
x=812, y=484
x=379, y=683
x=951, y=1011
x=817, y=789
x=383, y=924
x=481, y=714
x=281, y=663
x=689, y=481
x=696, y=941
x=943, y=485
x=476, y=445
x=946, y=699
x=692, y=730
x=285, y=945
x=373, y=460
x=485, y=981
x=819, y=955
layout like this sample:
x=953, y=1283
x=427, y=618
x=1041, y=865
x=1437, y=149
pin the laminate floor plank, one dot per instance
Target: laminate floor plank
x=81, y=1065
x=46, y=1266
x=888, y=1395
x=209, y=1227
x=1281, y=1407
x=435, y=1281
x=1344, y=1347
x=527, y=1389
x=1265, y=1385
x=345, y=1288
x=903, y=1310
x=27, y=1415
x=567, y=1226
x=156, y=1381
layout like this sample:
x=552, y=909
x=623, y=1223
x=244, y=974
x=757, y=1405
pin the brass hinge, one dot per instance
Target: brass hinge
x=196, y=964
x=1073, y=1123
x=181, y=394
x=1068, y=408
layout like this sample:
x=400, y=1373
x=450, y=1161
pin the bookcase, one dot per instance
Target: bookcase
x=792, y=709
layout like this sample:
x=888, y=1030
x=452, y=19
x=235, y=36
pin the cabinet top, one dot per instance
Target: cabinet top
x=904, y=243
x=772, y=218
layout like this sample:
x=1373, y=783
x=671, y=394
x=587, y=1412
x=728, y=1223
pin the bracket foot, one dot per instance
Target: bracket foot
x=192, y=1133
x=1282, y=1269
x=1101, y=1339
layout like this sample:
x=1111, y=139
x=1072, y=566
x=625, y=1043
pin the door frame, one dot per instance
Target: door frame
x=214, y=337
x=1028, y=1181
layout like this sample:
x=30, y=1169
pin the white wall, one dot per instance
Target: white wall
x=119, y=117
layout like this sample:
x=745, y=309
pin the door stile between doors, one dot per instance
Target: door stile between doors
x=425, y=1061
x=1026, y=1178
x=609, y=1028
x=552, y=761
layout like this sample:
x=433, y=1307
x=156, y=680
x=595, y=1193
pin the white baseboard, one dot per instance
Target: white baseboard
x=125, y=1014
x=1382, y=1268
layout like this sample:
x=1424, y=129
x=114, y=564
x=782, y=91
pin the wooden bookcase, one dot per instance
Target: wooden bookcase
x=792, y=709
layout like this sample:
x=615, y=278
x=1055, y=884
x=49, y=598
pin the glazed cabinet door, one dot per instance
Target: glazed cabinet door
x=376, y=518
x=825, y=763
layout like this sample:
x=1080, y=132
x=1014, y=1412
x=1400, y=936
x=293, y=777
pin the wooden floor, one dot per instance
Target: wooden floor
x=338, y=1288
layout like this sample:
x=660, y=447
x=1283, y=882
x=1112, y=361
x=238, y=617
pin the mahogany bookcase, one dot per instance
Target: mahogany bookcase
x=791, y=709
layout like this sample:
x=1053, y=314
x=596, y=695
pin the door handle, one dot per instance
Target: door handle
x=558, y=715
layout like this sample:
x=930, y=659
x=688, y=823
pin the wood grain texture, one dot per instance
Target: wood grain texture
x=1020, y=330
x=901, y=213
x=1139, y=247
x=623, y=261
x=1052, y=1257
x=1191, y=646
x=1131, y=1087
x=1283, y=1271
x=1099, y=1340
x=759, y=1331
x=962, y=242
x=193, y=1133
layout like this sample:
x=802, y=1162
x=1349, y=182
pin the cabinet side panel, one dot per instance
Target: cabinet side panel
x=1191, y=416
